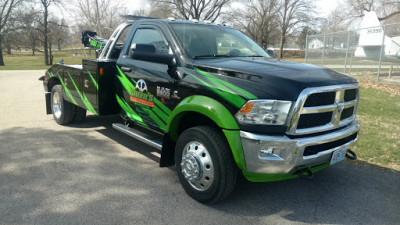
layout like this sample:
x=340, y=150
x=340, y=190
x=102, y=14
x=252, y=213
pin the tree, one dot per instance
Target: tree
x=105, y=16
x=6, y=9
x=27, y=29
x=58, y=31
x=258, y=19
x=336, y=21
x=302, y=39
x=195, y=9
x=385, y=8
x=45, y=28
x=32, y=31
x=158, y=10
x=294, y=15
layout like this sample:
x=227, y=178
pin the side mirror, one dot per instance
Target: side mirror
x=148, y=53
x=271, y=53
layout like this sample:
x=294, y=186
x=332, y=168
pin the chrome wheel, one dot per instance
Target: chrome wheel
x=197, y=166
x=56, y=105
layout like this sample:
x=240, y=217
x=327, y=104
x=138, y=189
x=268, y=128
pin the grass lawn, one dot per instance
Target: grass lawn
x=379, y=141
x=25, y=60
x=379, y=110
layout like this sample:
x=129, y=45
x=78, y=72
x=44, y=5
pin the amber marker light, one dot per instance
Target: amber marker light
x=247, y=108
x=101, y=71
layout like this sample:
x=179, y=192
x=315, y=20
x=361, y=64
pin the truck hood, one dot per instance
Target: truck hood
x=270, y=78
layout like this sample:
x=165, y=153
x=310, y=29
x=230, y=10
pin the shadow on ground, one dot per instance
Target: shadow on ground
x=76, y=176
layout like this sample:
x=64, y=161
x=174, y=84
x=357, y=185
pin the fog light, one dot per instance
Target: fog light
x=267, y=152
x=270, y=154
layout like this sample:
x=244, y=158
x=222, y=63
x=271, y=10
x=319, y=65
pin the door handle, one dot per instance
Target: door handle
x=126, y=69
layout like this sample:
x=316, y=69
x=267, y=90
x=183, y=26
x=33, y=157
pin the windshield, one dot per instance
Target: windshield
x=205, y=41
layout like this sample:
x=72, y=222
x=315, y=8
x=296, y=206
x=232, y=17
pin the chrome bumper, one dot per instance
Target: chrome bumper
x=282, y=155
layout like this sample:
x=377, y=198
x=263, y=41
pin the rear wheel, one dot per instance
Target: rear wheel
x=205, y=165
x=61, y=109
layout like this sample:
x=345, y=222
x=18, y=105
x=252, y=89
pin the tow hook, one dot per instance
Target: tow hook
x=351, y=155
x=305, y=174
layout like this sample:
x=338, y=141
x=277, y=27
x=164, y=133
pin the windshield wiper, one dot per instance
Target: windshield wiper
x=210, y=56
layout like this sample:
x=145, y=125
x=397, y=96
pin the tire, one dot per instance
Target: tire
x=205, y=165
x=79, y=114
x=62, y=110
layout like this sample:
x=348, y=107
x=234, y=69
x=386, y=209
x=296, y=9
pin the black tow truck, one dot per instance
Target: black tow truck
x=213, y=101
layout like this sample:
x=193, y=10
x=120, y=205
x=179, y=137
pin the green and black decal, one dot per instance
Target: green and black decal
x=224, y=89
x=147, y=109
x=82, y=95
x=94, y=81
x=65, y=88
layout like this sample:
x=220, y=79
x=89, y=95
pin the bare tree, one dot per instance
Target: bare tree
x=195, y=9
x=302, y=38
x=104, y=17
x=336, y=21
x=385, y=8
x=258, y=19
x=6, y=9
x=45, y=4
x=159, y=10
x=294, y=15
x=31, y=30
x=59, y=32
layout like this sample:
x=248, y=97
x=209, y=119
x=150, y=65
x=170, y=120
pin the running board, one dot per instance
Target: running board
x=142, y=137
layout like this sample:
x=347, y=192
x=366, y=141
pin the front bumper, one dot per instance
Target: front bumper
x=266, y=154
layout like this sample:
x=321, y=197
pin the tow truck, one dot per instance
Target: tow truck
x=213, y=101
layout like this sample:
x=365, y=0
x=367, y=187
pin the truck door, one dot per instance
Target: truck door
x=151, y=98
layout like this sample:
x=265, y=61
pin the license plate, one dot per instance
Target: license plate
x=338, y=155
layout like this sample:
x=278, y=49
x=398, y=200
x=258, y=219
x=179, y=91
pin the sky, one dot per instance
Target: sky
x=324, y=7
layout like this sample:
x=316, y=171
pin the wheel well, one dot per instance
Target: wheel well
x=188, y=120
x=52, y=81
x=192, y=119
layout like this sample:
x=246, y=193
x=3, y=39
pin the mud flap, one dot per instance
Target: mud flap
x=48, y=103
x=167, y=152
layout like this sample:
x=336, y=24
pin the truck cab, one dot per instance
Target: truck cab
x=214, y=102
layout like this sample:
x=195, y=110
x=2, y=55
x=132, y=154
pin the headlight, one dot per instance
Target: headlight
x=264, y=112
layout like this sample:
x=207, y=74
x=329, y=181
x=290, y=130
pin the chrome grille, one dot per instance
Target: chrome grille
x=324, y=108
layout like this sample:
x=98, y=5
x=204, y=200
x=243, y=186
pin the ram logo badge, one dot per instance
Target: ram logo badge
x=141, y=86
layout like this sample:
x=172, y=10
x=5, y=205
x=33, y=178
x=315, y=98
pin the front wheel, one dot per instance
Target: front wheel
x=205, y=165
